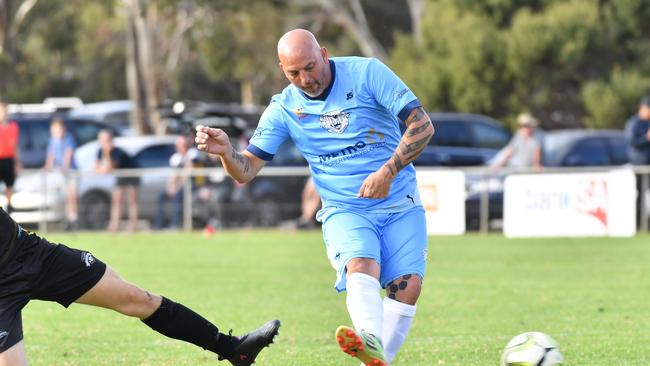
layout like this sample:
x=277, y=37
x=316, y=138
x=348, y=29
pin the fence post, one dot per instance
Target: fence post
x=643, y=214
x=42, y=223
x=484, y=206
x=187, y=201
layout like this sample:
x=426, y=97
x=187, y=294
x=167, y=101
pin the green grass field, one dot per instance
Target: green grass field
x=591, y=295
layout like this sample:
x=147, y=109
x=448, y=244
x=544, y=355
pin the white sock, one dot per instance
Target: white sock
x=397, y=323
x=364, y=303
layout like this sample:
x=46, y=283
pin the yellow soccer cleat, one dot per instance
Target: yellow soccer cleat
x=364, y=346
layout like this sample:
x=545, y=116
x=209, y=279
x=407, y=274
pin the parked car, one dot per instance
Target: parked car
x=562, y=148
x=463, y=139
x=266, y=201
x=115, y=113
x=40, y=196
x=35, y=134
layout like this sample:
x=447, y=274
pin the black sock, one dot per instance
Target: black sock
x=176, y=321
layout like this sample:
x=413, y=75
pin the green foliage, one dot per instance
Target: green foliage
x=552, y=58
x=570, y=62
x=243, y=45
x=610, y=104
x=460, y=66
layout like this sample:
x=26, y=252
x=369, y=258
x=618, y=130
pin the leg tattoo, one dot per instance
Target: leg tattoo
x=399, y=284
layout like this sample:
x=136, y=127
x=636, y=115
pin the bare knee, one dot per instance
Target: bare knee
x=137, y=302
x=363, y=265
x=405, y=289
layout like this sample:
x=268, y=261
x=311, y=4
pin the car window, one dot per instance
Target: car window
x=156, y=156
x=588, y=152
x=34, y=135
x=451, y=133
x=118, y=119
x=618, y=148
x=489, y=136
x=84, y=131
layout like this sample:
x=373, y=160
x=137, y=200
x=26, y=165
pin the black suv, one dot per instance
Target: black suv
x=463, y=139
x=35, y=134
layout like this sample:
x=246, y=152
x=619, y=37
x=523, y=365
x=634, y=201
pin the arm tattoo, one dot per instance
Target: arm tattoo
x=418, y=133
x=242, y=160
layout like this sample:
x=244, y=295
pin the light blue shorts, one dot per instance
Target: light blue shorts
x=397, y=241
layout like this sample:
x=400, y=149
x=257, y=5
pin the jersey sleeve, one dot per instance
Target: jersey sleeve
x=390, y=91
x=270, y=133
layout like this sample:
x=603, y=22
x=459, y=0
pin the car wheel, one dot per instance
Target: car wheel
x=95, y=210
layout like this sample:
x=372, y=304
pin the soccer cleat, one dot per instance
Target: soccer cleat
x=251, y=344
x=364, y=346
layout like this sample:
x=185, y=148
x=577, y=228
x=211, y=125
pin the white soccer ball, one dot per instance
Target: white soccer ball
x=532, y=349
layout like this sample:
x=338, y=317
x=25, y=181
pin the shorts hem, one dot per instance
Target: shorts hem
x=85, y=287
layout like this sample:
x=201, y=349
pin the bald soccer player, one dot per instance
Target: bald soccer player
x=344, y=115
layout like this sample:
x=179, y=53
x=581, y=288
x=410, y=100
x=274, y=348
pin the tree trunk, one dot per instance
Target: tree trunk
x=416, y=11
x=132, y=82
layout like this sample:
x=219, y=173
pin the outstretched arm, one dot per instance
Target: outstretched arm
x=419, y=131
x=242, y=167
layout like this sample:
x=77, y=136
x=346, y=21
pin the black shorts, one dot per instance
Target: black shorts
x=8, y=171
x=38, y=269
x=128, y=181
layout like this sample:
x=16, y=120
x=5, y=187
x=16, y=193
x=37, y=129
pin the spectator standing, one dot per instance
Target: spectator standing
x=9, y=153
x=524, y=149
x=637, y=131
x=637, y=134
x=184, y=158
x=110, y=158
x=60, y=156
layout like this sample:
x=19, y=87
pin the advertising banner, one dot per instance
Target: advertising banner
x=443, y=197
x=570, y=204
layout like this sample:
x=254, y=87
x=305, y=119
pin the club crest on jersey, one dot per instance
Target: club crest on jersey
x=300, y=113
x=335, y=122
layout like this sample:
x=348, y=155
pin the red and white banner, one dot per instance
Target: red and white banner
x=571, y=204
x=443, y=196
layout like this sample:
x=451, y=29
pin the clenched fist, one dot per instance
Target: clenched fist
x=212, y=140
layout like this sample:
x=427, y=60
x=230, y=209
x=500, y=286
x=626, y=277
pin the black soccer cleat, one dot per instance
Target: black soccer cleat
x=251, y=344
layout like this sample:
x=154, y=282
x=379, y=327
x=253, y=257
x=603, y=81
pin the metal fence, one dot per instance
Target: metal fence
x=273, y=196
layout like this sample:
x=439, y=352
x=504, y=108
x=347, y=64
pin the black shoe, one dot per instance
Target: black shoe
x=251, y=344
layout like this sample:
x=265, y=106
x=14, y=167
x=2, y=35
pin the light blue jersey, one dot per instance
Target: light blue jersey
x=346, y=134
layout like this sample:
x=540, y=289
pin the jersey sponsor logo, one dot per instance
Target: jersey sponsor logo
x=349, y=95
x=87, y=258
x=399, y=94
x=258, y=132
x=335, y=122
x=374, y=140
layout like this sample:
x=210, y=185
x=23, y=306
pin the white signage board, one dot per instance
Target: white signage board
x=570, y=204
x=443, y=196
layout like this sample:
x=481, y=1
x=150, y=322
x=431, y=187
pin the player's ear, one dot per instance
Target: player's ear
x=323, y=53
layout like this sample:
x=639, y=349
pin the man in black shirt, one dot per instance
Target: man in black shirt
x=33, y=268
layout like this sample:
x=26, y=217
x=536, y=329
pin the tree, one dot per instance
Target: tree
x=12, y=15
x=154, y=40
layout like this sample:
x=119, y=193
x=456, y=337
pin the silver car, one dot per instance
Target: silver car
x=40, y=196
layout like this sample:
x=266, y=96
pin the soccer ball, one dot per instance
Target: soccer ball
x=532, y=349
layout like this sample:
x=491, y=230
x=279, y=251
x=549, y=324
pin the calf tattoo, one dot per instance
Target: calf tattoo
x=399, y=284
